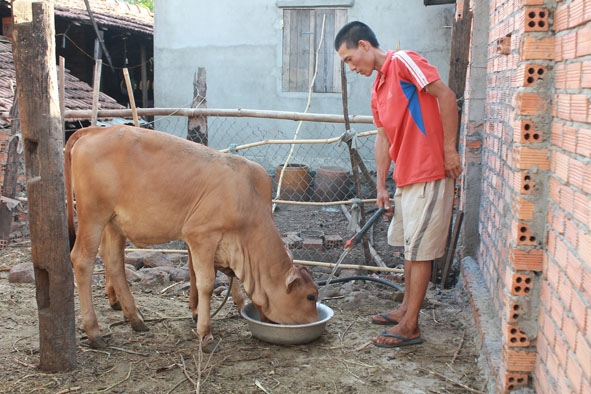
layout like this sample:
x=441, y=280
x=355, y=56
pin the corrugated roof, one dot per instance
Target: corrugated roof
x=78, y=94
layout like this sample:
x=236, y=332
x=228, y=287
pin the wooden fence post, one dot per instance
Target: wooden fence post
x=10, y=177
x=197, y=131
x=37, y=91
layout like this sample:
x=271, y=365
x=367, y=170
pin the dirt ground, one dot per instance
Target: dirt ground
x=166, y=359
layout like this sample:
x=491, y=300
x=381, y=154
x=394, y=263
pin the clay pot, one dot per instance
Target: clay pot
x=295, y=183
x=331, y=184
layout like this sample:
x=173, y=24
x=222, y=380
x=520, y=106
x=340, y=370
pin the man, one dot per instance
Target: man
x=417, y=119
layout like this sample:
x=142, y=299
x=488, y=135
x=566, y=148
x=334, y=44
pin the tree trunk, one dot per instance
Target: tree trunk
x=197, y=131
x=36, y=76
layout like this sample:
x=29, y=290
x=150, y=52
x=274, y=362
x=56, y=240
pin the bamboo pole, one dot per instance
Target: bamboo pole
x=98, y=66
x=303, y=142
x=136, y=122
x=302, y=262
x=237, y=113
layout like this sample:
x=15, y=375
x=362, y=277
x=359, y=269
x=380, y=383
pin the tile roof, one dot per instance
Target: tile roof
x=111, y=13
x=78, y=94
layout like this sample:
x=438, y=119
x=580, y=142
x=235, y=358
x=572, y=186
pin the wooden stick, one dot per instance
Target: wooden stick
x=453, y=381
x=131, y=97
x=457, y=353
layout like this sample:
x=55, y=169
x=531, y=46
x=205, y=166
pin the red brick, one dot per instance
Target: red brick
x=526, y=158
x=562, y=102
x=562, y=383
x=530, y=104
x=584, y=249
x=567, y=199
x=312, y=243
x=569, y=329
x=556, y=312
x=573, y=75
x=514, y=337
x=552, y=364
x=542, y=381
x=581, y=207
x=558, y=50
x=576, y=175
x=523, y=208
x=527, y=260
x=586, y=73
x=536, y=19
x=570, y=232
x=574, y=373
x=575, y=13
x=560, y=18
x=534, y=49
x=584, y=142
x=519, y=360
x=579, y=310
x=584, y=42
x=569, y=46
x=579, y=107
x=583, y=353
x=560, y=350
x=560, y=165
x=512, y=381
x=522, y=235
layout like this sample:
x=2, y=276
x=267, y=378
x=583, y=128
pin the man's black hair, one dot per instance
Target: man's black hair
x=352, y=32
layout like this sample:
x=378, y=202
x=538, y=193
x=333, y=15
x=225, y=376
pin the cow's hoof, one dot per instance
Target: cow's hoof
x=116, y=306
x=210, y=347
x=139, y=326
x=97, y=343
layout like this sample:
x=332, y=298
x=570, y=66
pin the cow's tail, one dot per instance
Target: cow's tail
x=68, y=181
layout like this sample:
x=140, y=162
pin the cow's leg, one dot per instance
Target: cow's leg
x=110, y=291
x=83, y=256
x=193, y=296
x=202, y=254
x=237, y=294
x=113, y=254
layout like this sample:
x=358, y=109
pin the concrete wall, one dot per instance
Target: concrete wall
x=533, y=149
x=240, y=45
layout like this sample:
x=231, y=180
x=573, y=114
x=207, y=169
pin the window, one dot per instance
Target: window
x=302, y=33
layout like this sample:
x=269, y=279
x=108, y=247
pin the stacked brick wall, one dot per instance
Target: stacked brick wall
x=564, y=342
x=535, y=212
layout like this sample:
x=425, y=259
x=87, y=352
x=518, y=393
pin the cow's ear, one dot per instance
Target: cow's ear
x=292, y=277
x=289, y=253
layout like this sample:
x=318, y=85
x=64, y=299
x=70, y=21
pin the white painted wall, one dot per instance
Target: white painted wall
x=240, y=44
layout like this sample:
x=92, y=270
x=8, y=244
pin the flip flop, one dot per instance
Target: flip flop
x=405, y=341
x=388, y=321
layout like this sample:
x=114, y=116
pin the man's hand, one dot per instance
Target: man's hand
x=383, y=200
x=453, y=165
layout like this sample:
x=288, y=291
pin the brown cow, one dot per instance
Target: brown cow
x=152, y=187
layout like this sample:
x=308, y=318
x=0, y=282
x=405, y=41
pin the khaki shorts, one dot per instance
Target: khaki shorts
x=422, y=214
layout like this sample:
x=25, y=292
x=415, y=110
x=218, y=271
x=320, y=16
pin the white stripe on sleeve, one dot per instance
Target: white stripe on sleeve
x=412, y=67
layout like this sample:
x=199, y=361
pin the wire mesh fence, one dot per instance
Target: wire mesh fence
x=319, y=198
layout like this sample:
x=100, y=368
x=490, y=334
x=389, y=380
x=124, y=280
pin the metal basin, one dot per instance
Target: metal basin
x=286, y=334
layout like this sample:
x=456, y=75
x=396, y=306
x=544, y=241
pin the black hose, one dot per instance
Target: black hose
x=370, y=278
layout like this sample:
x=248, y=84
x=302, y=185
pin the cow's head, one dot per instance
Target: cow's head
x=296, y=302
